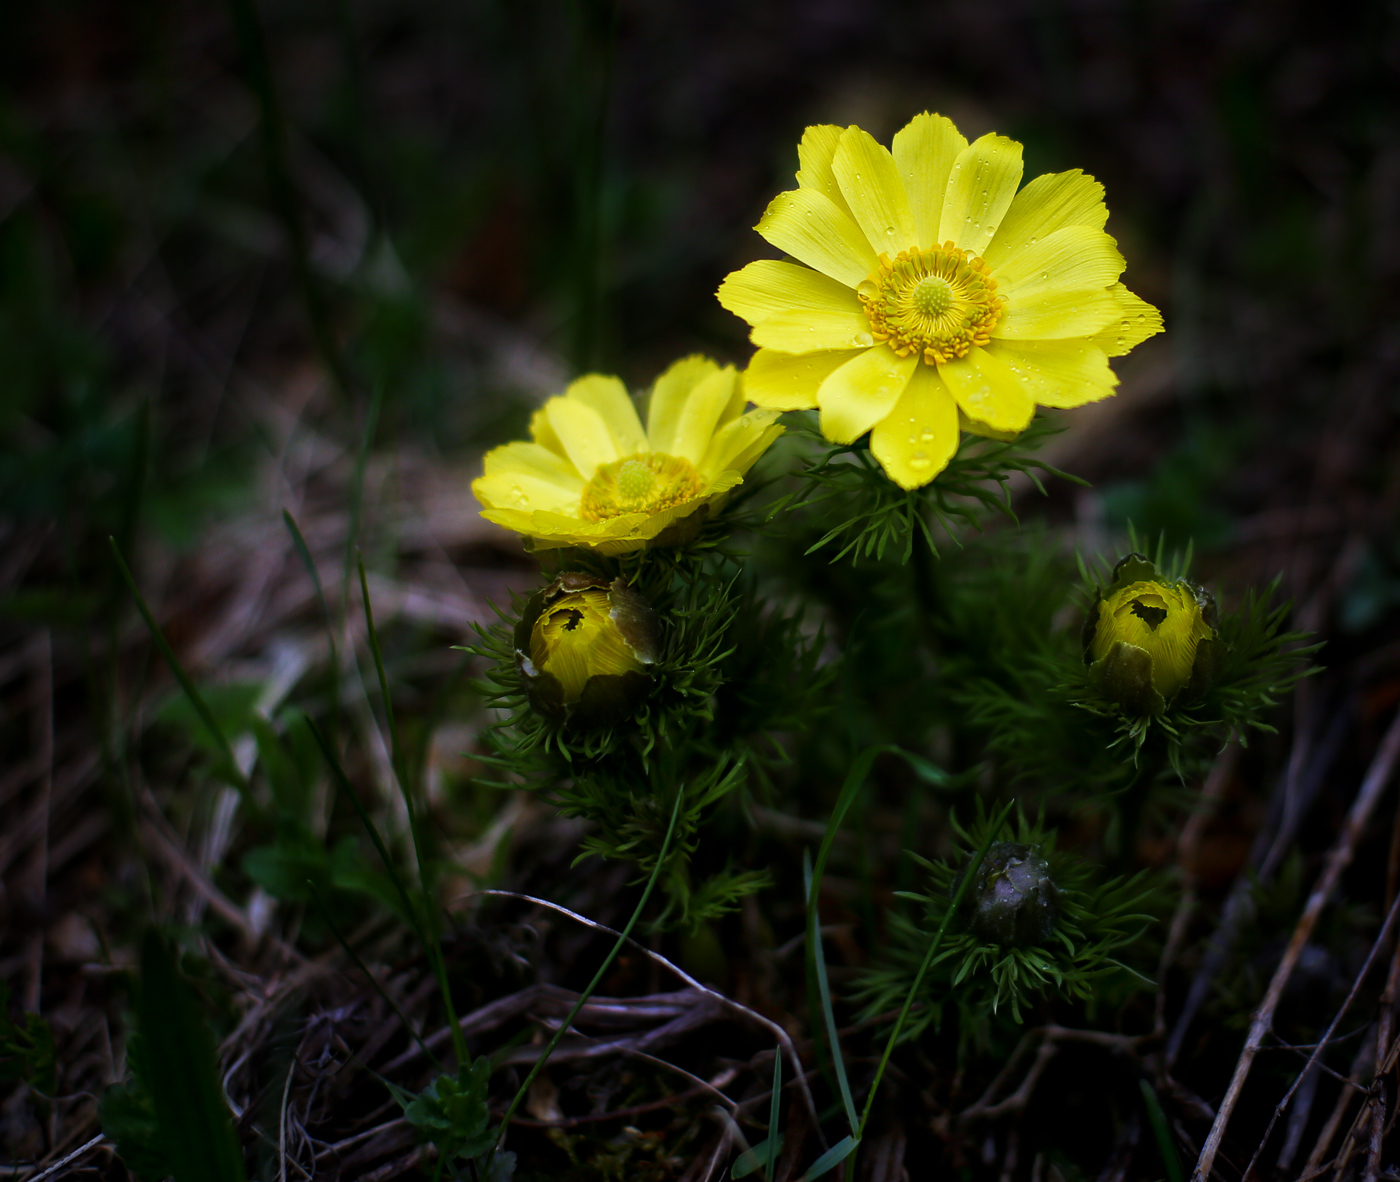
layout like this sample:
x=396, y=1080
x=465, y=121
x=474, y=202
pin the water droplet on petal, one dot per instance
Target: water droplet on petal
x=864, y=340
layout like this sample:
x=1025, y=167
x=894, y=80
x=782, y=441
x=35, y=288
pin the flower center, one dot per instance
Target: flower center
x=645, y=483
x=939, y=302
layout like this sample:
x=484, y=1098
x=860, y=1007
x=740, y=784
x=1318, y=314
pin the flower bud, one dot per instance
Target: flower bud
x=583, y=646
x=1148, y=639
x=1013, y=900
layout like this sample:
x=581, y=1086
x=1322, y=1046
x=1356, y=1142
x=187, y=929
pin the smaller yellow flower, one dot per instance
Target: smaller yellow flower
x=583, y=648
x=1148, y=638
x=594, y=477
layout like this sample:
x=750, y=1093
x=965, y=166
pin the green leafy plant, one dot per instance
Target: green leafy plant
x=452, y=1114
x=873, y=515
x=990, y=960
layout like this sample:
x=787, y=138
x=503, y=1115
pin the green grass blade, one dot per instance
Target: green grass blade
x=818, y=963
x=832, y=1158
x=1160, y=1130
x=201, y=707
x=342, y=782
x=195, y=1124
x=855, y=780
x=934, y=944
x=431, y=933
x=378, y=654
x=304, y=551
x=373, y=980
x=775, y=1111
x=597, y=977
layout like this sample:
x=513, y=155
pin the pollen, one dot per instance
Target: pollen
x=644, y=483
x=938, y=302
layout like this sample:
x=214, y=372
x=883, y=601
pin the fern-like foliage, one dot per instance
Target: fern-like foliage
x=983, y=980
x=867, y=515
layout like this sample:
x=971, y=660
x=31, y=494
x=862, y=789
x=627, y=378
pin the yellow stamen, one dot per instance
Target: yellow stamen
x=939, y=302
x=644, y=483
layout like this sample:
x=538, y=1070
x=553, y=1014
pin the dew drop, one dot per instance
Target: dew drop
x=926, y=437
x=864, y=340
x=920, y=460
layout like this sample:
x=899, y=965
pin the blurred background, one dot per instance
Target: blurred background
x=317, y=255
x=223, y=224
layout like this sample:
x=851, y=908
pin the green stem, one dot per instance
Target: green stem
x=923, y=970
x=597, y=977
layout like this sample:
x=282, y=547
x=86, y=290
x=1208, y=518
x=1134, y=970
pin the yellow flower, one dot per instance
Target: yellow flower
x=583, y=646
x=1149, y=639
x=594, y=477
x=935, y=297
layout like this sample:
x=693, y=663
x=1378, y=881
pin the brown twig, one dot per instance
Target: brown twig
x=1323, y=1042
x=1377, y=778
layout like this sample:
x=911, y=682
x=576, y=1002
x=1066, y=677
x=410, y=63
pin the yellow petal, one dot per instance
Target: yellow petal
x=1049, y=203
x=518, y=490
x=530, y=459
x=767, y=287
x=1058, y=373
x=806, y=309
x=980, y=188
x=915, y=441
x=608, y=396
x=924, y=151
x=1136, y=321
x=810, y=332
x=738, y=444
x=668, y=398
x=1073, y=259
x=977, y=427
x=1057, y=314
x=699, y=414
x=862, y=392
x=787, y=382
x=543, y=434
x=988, y=391
x=736, y=404
x=814, y=155
x=874, y=192
x=806, y=225
x=581, y=430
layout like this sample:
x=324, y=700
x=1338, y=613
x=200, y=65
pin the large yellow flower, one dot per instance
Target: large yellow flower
x=935, y=297
x=593, y=477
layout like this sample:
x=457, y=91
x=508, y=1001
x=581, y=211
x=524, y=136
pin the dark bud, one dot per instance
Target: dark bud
x=1013, y=899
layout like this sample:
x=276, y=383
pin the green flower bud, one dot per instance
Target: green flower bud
x=1148, y=639
x=583, y=646
x=1013, y=900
